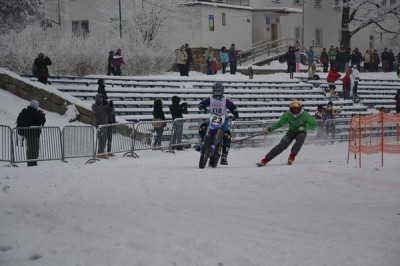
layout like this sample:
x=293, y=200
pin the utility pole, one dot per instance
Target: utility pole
x=120, y=20
x=302, y=30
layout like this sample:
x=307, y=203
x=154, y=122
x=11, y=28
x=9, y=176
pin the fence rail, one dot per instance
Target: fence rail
x=54, y=143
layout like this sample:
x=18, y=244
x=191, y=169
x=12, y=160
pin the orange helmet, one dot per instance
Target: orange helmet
x=295, y=107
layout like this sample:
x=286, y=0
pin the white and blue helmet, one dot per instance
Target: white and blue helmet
x=218, y=90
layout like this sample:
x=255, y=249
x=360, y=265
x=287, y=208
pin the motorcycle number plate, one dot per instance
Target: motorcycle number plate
x=217, y=120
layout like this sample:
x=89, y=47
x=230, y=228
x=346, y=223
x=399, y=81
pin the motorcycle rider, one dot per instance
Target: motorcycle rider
x=219, y=105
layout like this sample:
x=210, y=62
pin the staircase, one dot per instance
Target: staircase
x=266, y=51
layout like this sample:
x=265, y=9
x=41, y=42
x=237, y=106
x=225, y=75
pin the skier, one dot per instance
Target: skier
x=299, y=122
x=219, y=105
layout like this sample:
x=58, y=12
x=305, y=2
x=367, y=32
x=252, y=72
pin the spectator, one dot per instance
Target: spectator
x=117, y=62
x=319, y=116
x=397, y=99
x=355, y=75
x=214, y=66
x=324, y=60
x=385, y=60
x=375, y=61
x=291, y=61
x=356, y=59
x=332, y=77
x=32, y=117
x=391, y=60
x=311, y=71
x=101, y=112
x=332, y=57
x=298, y=59
x=346, y=85
x=40, y=68
x=177, y=110
x=110, y=66
x=102, y=88
x=158, y=117
x=330, y=116
x=181, y=58
x=209, y=55
x=310, y=56
x=110, y=129
x=224, y=58
x=367, y=59
x=189, y=59
x=337, y=53
x=299, y=122
x=232, y=59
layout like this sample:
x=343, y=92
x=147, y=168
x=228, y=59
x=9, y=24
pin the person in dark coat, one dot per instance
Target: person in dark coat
x=110, y=129
x=189, y=59
x=101, y=112
x=177, y=110
x=40, y=69
x=158, y=115
x=102, y=88
x=397, y=99
x=36, y=118
x=291, y=61
x=117, y=62
x=233, y=57
x=110, y=66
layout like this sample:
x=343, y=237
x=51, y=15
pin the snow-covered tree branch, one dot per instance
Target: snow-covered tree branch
x=17, y=14
x=360, y=14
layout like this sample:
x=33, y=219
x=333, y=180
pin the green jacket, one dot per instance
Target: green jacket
x=304, y=119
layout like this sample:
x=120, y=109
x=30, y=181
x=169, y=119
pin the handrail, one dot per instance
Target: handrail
x=267, y=47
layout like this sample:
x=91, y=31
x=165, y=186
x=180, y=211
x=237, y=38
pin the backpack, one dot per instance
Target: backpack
x=23, y=121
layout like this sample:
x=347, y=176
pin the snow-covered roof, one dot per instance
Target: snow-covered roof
x=281, y=10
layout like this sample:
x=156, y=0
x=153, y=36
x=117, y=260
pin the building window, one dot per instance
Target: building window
x=317, y=3
x=276, y=1
x=80, y=27
x=318, y=37
x=383, y=2
x=211, y=22
x=297, y=2
x=297, y=33
x=223, y=19
x=392, y=2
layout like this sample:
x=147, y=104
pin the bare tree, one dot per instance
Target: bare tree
x=17, y=14
x=359, y=14
x=150, y=16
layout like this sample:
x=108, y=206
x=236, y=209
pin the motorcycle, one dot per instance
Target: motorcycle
x=211, y=143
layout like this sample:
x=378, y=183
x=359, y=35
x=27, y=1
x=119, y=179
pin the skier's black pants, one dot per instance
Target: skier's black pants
x=299, y=138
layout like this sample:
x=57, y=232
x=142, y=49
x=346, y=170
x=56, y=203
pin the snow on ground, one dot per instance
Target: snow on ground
x=161, y=209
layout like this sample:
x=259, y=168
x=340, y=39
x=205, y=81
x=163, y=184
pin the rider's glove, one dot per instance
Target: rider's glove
x=235, y=116
x=201, y=106
x=267, y=131
x=301, y=129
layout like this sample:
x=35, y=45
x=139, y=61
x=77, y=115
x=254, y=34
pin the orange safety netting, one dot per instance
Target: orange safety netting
x=376, y=133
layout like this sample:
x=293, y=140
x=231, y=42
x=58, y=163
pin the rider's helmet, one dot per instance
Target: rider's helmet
x=218, y=90
x=295, y=107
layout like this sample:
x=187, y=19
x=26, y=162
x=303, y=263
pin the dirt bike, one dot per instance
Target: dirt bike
x=211, y=144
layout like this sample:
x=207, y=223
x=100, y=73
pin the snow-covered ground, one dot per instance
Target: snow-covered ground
x=161, y=209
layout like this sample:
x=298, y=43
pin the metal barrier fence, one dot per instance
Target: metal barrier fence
x=38, y=144
x=52, y=143
x=6, y=144
x=78, y=141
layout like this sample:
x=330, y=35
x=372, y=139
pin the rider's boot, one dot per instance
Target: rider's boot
x=224, y=159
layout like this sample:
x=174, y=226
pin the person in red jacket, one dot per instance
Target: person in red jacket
x=332, y=77
x=347, y=85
